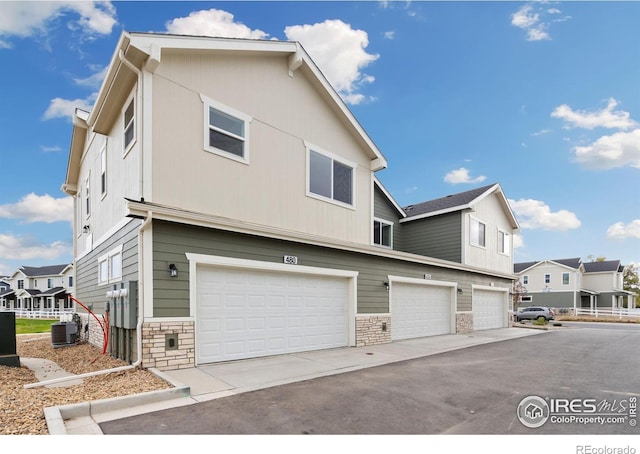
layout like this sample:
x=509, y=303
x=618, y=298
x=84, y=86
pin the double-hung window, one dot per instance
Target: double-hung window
x=103, y=171
x=565, y=278
x=110, y=266
x=129, y=125
x=87, y=197
x=547, y=279
x=226, y=131
x=382, y=233
x=503, y=243
x=330, y=178
x=478, y=233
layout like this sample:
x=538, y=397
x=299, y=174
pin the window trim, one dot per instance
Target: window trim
x=107, y=258
x=547, y=278
x=506, y=239
x=471, y=239
x=353, y=166
x=386, y=222
x=131, y=100
x=103, y=171
x=86, y=199
x=245, y=118
x=525, y=279
x=568, y=275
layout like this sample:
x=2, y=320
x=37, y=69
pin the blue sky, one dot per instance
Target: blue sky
x=541, y=97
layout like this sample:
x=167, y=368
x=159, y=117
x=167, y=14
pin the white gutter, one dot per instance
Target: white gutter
x=141, y=229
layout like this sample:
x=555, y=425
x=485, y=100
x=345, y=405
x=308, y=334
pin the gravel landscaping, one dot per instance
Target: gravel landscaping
x=22, y=410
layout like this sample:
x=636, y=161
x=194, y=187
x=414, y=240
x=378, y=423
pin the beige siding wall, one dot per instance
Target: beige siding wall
x=286, y=112
x=490, y=212
x=598, y=282
x=537, y=283
x=123, y=180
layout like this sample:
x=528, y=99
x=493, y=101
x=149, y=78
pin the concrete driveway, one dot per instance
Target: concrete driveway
x=476, y=390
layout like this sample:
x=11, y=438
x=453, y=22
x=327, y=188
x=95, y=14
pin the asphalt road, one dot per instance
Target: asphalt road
x=473, y=391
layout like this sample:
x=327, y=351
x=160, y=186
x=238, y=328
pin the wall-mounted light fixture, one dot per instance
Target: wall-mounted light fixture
x=460, y=292
x=86, y=228
x=386, y=285
x=173, y=271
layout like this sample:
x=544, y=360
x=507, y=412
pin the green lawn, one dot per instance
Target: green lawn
x=33, y=326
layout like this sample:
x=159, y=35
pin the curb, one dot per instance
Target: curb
x=55, y=416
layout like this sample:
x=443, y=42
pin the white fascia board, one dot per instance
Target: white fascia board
x=504, y=202
x=436, y=213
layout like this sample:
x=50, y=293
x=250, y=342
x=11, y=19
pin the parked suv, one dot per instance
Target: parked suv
x=535, y=313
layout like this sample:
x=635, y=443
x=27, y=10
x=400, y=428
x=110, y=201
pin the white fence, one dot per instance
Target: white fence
x=63, y=315
x=602, y=312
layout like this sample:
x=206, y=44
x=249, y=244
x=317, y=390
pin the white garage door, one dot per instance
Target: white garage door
x=420, y=310
x=488, y=309
x=245, y=313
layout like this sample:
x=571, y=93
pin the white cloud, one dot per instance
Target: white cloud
x=23, y=248
x=390, y=35
x=605, y=118
x=535, y=214
x=620, y=231
x=28, y=18
x=518, y=241
x=621, y=149
x=65, y=108
x=53, y=149
x=212, y=22
x=94, y=80
x=461, y=175
x=39, y=208
x=339, y=51
x=541, y=132
x=533, y=20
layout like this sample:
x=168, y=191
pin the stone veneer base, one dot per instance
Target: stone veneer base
x=373, y=329
x=464, y=322
x=154, y=349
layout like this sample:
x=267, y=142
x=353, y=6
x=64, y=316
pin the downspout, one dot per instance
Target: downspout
x=141, y=229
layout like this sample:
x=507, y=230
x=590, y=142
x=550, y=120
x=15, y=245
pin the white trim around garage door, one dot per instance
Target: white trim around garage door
x=229, y=262
x=453, y=286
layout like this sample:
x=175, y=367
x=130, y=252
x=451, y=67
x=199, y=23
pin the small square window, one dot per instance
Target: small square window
x=226, y=131
x=382, y=233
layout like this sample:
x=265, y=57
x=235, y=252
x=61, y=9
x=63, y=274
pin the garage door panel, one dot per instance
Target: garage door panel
x=489, y=311
x=250, y=313
x=420, y=310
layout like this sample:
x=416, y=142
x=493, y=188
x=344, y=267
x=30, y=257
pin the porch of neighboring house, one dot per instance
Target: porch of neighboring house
x=30, y=303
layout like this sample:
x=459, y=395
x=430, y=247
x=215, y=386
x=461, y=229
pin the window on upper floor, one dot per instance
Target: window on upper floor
x=87, y=197
x=565, y=278
x=547, y=279
x=478, y=233
x=226, y=131
x=129, y=125
x=525, y=279
x=50, y=283
x=70, y=281
x=504, y=245
x=382, y=233
x=110, y=266
x=20, y=283
x=103, y=170
x=330, y=178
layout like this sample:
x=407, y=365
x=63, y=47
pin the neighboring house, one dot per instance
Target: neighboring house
x=606, y=280
x=570, y=283
x=226, y=207
x=44, y=288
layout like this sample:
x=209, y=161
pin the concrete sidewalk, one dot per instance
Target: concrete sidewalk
x=199, y=384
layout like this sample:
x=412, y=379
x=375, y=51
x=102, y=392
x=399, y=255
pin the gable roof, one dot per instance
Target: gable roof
x=457, y=202
x=35, y=271
x=605, y=266
x=136, y=52
x=389, y=197
x=573, y=263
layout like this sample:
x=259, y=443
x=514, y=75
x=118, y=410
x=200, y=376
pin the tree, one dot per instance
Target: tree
x=518, y=292
x=631, y=281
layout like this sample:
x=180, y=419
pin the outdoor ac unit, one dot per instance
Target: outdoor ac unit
x=64, y=333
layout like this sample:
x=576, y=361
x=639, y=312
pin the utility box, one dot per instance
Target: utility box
x=129, y=304
x=8, y=352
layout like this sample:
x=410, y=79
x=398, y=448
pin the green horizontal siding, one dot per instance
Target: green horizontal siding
x=384, y=209
x=438, y=236
x=171, y=241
